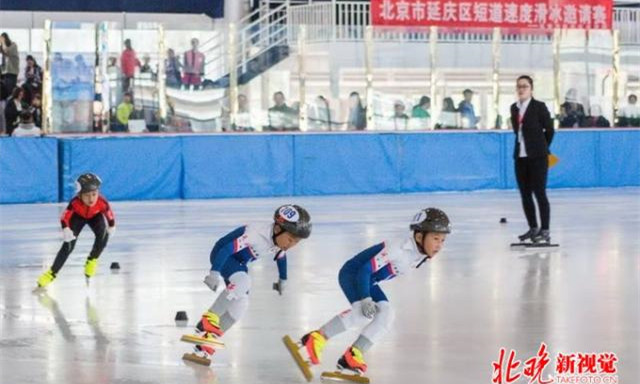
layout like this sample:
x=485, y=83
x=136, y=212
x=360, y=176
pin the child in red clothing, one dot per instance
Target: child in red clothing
x=87, y=207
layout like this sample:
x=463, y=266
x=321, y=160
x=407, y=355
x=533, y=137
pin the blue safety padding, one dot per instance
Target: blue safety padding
x=346, y=164
x=237, y=166
x=451, y=161
x=619, y=158
x=131, y=168
x=28, y=170
x=212, y=166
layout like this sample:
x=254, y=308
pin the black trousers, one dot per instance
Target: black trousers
x=531, y=174
x=98, y=225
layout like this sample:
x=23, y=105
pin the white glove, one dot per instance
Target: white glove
x=67, y=235
x=213, y=280
x=111, y=231
x=279, y=286
x=369, y=308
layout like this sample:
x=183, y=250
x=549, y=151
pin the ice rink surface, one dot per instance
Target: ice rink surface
x=453, y=315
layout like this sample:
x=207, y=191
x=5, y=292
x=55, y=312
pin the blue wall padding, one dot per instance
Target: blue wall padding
x=131, y=168
x=254, y=165
x=237, y=166
x=28, y=170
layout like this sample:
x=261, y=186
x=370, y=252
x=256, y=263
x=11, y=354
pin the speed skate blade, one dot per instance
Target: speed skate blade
x=294, y=351
x=339, y=376
x=193, y=339
x=192, y=357
x=534, y=245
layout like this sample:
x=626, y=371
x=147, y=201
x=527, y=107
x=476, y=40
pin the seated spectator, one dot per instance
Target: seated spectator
x=448, y=118
x=400, y=119
x=596, y=120
x=123, y=113
x=320, y=114
x=421, y=111
x=281, y=116
x=146, y=67
x=243, y=117
x=629, y=115
x=571, y=112
x=33, y=79
x=36, y=109
x=26, y=127
x=13, y=109
x=357, y=119
x=467, y=112
x=172, y=69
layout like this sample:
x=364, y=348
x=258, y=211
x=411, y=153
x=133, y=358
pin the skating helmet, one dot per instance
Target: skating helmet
x=431, y=220
x=87, y=182
x=293, y=219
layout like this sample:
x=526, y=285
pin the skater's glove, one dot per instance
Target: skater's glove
x=279, y=286
x=369, y=308
x=213, y=280
x=67, y=235
x=111, y=231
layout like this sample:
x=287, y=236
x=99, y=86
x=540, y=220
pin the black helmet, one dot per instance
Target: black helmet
x=293, y=219
x=87, y=182
x=431, y=220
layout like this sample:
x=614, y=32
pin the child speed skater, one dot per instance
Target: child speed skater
x=88, y=206
x=360, y=279
x=230, y=259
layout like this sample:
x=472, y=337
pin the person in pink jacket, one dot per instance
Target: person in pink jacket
x=193, y=67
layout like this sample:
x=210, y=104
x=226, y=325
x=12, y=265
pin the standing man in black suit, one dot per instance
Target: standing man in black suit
x=533, y=127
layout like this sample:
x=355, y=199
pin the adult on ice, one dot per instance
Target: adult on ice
x=533, y=127
x=360, y=279
x=87, y=207
x=230, y=258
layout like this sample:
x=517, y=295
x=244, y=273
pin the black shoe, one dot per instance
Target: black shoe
x=542, y=237
x=530, y=234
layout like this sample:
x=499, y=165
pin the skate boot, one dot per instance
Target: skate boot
x=542, y=236
x=90, y=268
x=352, y=360
x=46, y=278
x=314, y=342
x=210, y=324
x=529, y=235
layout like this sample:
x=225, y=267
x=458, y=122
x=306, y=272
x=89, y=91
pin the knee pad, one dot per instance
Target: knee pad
x=381, y=323
x=354, y=318
x=239, y=286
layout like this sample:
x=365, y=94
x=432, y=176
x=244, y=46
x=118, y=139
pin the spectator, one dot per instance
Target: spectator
x=467, y=113
x=421, y=111
x=172, y=69
x=281, y=116
x=36, y=110
x=400, y=119
x=357, y=113
x=571, y=112
x=629, y=115
x=448, y=118
x=123, y=113
x=33, y=79
x=320, y=114
x=128, y=63
x=596, y=120
x=10, y=65
x=26, y=127
x=13, y=109
x=193, y=65
x=243, y=117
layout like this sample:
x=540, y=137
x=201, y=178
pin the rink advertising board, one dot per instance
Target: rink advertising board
x=525, y=14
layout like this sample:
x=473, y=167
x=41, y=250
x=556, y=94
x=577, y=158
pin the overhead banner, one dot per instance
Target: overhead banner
x=527, y=14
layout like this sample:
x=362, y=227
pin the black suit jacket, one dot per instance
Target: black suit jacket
x=537, y=129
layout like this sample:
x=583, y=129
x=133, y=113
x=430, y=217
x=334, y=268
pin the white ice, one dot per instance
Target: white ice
x=453, y=315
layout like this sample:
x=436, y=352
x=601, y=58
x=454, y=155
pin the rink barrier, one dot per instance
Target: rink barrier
x=262, y=165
